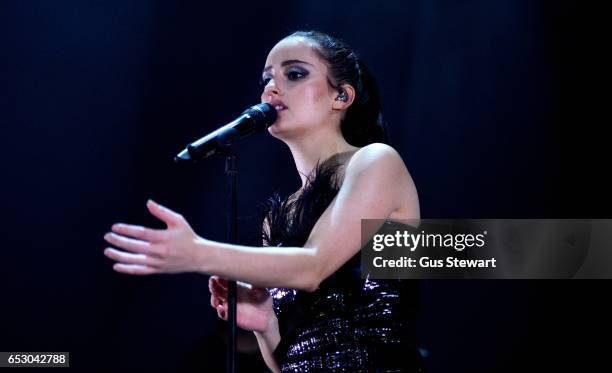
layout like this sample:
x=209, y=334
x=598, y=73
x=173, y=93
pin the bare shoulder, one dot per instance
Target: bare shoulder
x=376, y=155
x=382, y=165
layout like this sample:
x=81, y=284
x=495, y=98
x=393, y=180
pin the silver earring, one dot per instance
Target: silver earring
x=342, y=97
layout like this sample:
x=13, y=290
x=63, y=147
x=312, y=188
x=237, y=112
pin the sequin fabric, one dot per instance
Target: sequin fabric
x=348, y=325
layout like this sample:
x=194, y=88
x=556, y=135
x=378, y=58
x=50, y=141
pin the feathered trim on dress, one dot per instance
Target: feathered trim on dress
x=291, y=220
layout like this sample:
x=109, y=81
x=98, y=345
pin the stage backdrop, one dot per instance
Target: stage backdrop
x=97, y=97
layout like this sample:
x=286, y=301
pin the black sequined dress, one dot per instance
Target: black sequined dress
x=349, y=324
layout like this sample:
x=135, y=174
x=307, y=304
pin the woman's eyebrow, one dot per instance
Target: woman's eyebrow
x=288, y=62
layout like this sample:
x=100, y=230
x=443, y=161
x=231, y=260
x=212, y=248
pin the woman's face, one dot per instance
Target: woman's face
x=295, y=81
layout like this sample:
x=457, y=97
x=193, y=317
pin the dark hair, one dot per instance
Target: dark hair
x=363, y=122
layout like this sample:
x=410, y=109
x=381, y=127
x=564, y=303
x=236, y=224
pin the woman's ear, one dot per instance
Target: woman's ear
x=345, y=97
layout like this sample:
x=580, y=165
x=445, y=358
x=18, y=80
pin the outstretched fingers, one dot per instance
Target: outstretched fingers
x=139, y=232
x=131, y=244
x=129, y=258
x=164, y=214
x=134, y=269
x=145, y=249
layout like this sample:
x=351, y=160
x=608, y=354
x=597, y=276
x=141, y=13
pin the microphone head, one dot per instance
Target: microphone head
x=183, y=156
x=255, y=119
x=262, y=114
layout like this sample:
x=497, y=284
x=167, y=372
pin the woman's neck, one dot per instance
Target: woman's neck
x=316, y=148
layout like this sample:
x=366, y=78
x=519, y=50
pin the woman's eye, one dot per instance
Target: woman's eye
x=264, y=81
x=295, y=75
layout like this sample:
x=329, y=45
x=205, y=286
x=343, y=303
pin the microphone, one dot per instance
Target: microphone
x=253, y=120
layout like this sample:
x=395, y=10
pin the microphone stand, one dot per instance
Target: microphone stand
x=231, y=170
x=258, y=116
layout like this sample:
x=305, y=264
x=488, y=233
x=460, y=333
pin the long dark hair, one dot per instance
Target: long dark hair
x=363, y=122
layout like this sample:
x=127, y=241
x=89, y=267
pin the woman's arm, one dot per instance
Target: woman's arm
x=254, y=311
x=268, y=341
x=375, y=183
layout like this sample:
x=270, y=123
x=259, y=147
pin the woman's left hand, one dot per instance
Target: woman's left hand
x=152, y=251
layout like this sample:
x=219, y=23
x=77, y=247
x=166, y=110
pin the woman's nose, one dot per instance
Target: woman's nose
x=271, y=88
x=268, y=94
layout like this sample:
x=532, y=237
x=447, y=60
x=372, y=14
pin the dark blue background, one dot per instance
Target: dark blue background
x=486, y=100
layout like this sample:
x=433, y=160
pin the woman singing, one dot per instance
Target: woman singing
x=309, y=307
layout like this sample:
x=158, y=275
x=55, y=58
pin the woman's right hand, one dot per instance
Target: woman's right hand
x=254, y=310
